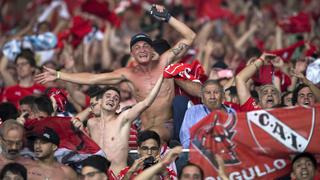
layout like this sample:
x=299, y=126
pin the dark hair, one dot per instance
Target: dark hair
x=28, y=55
x=95, y=92
x=104, y=90
x=148, y=134
x=43, y=103
x=8, y=111
x=306, y=155
x=252, y=52
x=98, y=162
x=285, y=95
x=296, y=91
x=14, y=168
x=27, y=100
x=191, y=164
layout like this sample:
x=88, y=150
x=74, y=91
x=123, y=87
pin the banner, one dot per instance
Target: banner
x=256, y=144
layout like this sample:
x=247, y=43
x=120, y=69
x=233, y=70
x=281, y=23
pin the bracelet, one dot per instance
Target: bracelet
x=78, y=119
x=58, y=74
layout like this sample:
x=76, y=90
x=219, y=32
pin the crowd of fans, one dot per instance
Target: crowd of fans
x=83, y=82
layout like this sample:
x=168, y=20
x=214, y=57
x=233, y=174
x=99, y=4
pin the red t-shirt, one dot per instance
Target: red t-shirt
x=250, y=105
x=15, y=93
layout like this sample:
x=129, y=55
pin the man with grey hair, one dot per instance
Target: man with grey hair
x=11, y=142
x=212, y=96
x=269, y=95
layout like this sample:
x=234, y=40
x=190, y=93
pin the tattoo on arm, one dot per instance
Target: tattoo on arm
x=181, y=46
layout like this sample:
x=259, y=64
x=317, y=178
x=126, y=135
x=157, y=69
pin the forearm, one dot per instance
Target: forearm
x=183, y=29
x=151, y=171
x=90, y=78
x=204, y=33
x=192, y=88
x=249, y=70
x=8, y=78
x=106, y=54
x=314, y=89
x=239, y=43
x=278, y=38
x=83, y=115
x=79, y=78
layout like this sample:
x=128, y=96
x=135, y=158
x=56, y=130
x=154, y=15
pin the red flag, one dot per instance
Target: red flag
x=101, y=9
x=70, y=138
x=296, y=24
x=287, y=52
x=256, y=144
x=211, y=9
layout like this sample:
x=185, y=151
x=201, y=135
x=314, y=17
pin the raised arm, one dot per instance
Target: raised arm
x=242, y=78
x=80, y=78
x=155, y=169
x=314, y=89
x=137, y=109
x=181, y=47
x=7, y=77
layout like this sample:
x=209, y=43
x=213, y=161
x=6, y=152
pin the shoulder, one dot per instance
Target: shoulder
x=198, y=107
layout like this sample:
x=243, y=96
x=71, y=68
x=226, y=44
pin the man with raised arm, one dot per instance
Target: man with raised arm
x=111, y=131
x=269, y=96
x=143, y=76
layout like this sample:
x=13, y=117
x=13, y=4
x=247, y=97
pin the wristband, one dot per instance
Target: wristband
x=58, y=74
x=78, y=119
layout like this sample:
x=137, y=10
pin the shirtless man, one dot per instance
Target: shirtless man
x=11, y=142
x=45, y=145
x=111, y=131
x=143, y=76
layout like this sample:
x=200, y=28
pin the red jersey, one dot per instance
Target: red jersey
x=249, y=105
x=133, y=136
x=15, y=93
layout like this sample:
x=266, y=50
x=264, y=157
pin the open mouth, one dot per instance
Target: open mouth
x=110, y=104
x=307, y=103
x=270, y=101
x=304, y=173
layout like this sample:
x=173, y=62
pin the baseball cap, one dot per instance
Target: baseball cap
x=47, y=134
x=98, y=162
x=140, y=37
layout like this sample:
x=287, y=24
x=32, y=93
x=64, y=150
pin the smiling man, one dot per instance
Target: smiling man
x=143, y=75
x=111, y=130
x=45, y=145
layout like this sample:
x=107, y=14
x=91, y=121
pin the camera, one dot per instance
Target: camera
x=148, y=162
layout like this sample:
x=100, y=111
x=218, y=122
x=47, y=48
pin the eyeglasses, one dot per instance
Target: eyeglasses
x=152, y=149
x=12, y=143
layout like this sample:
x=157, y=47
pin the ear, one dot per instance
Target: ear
x=293, y=176
x=55, y=147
